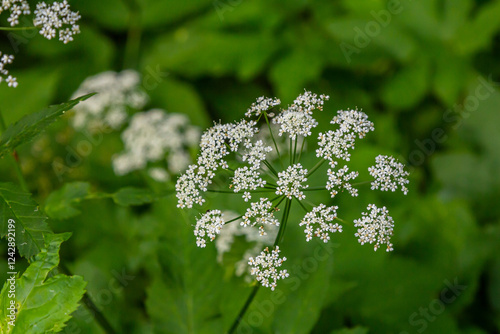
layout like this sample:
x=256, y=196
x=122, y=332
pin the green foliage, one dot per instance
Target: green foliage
x=31, y=125
x=44, y=304
x=210, y=60
x=63, y=203
x=31, y=225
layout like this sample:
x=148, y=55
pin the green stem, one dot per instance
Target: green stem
x=252, y=295
x=100, y=318
x=295, y=149
x=271, y=168
x=17, y=28
x=274, y=141
x=302, y=205
x=132, y=46
x=360, y=183
x=286, y=214
x=244, y=309
x=301, y=148
x=232, y=192
x=318, y=165
x=314, y=189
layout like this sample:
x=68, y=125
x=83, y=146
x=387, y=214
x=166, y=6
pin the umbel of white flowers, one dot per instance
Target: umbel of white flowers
x=236, y=151
x=53, y=19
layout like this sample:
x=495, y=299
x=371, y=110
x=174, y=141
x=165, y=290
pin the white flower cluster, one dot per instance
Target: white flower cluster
x=117, y=94
x=53, y=18
x=335, y=144
x=248, y=177
x=388, y=173
x=5, y=60
x=297, y=120
x=375, y=227
x=151, y=136
x=260, y=213
x=208, y=226
x=264, y=267
x=16, y=8
x=291, y=181
x=262, y=104
x=253, y=171
x=215, y=144
x=319, y=222
x=340, y=180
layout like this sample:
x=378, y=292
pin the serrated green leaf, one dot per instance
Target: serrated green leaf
x=31, y=125
x=31, y=227
x=61, y=203
x=43, y=306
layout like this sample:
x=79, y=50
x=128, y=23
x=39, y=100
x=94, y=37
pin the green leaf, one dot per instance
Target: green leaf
x=61, y=203
x=133, y=196
x=31, y=125
x=478, y=33
x=302, y=307
x=43, y=305
x=31, y=227
x=408, y=86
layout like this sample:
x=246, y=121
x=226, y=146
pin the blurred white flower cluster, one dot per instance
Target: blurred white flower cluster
x=236, y=152
x=154, y=141
x=4, y=60
x=57, y=17
x=153, y=136
x=118, y=94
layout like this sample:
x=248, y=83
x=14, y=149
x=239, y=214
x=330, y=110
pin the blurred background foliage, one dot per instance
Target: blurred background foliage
x=413, y=66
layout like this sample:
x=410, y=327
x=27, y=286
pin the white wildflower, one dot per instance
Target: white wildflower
x=336, y=144
x=191, y=185
x=264, y=267
x=256, y=153
x=262, y=104
x=118, y=95
x=208, y=227
x=246, y=178
x=375, y=227
x=291, y=181
x=388, y=173
x=319, y=222
x=16, y=8
x=6, y=59
x=353, y=121
x=260, y=213
x=154, y=136
x=54, y=17
x=340, y=180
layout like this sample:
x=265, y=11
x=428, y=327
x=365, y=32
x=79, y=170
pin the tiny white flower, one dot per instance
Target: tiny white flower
x=260, y=213
x=388, y=174
x=319, y=224
x=55, y=17
x=264, y=267
x=375, y=227
x=208, y=227
x=291, y=181
x=340, y=180
x=262, y=104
